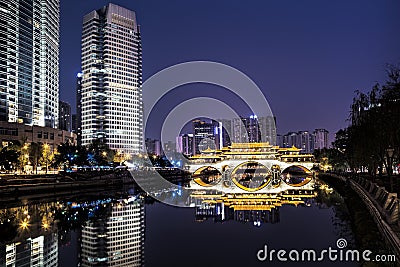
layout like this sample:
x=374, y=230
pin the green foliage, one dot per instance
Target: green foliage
x=375, y=126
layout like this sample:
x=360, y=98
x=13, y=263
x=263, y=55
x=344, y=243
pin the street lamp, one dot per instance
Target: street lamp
x=390, y=152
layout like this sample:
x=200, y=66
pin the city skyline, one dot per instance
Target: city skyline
x=287, y=49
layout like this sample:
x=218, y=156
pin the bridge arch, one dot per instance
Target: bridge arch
x=296, y=175
x=251, y=176
x=207, y=176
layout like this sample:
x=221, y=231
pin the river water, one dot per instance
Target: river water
x=128, y=228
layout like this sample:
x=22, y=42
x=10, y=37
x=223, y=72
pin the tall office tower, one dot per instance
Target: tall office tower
x=115, y=237
x=29, y=52
x=321, y=138
x=111, y=96
x=78, y=124
x=64, y=116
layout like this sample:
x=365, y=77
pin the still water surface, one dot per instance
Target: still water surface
x=127, y=228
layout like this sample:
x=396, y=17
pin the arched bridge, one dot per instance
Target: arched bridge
x=252, y=167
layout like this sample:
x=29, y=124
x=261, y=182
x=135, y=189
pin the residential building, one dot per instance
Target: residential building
x=254, y=129
x=321, y=138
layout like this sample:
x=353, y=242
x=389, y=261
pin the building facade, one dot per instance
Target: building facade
x=205, y=135
x=153, y=146
x=321, y=138
x=254, y=129
x=305, y=140
x=24, y=133
x=78, y=116
x=64, y=116
x=111, y=93
x=29, y=62
x=184, y=144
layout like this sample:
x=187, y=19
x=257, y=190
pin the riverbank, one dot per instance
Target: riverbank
x=31, y=187
x=366, y=232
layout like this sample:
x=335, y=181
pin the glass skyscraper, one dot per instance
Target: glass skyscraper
x=29, y=61
x=111, y=94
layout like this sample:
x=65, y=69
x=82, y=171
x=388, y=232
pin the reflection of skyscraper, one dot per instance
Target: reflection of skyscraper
x=38, y=251
x=32, y=235
x=115, y=236
x=111, y=94
x=220, y=212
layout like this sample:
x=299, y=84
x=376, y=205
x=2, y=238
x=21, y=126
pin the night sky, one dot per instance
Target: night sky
x=308, y=57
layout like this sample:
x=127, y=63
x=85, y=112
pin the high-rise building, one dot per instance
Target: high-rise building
x=73, y=123
x=205, y=135
x=184, y=144
x=305, y=142
x=153, y=146
x=321, y=138
x=29, y=61
x=224, y=132
x=254, y=129
x=78, y=124
x=64, y=116
x=111, y=93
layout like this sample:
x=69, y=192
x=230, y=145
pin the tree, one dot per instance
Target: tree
x=375, y=126
x=47, y=156
x=35, y=152
x=68, y=155
x=9, y=158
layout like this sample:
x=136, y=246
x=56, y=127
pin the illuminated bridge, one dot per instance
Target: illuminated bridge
x=252, y=167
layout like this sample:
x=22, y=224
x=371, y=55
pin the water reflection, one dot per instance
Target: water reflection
x=29, y=236
x=251, y=176
x=255, y=208
x=296, y=176
x=110, y=231
x=114, y=234
x=207, y=176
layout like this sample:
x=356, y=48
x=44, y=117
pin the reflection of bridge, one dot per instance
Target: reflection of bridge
x=252, y=167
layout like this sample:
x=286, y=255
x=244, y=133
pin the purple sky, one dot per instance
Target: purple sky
x=307, y=57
